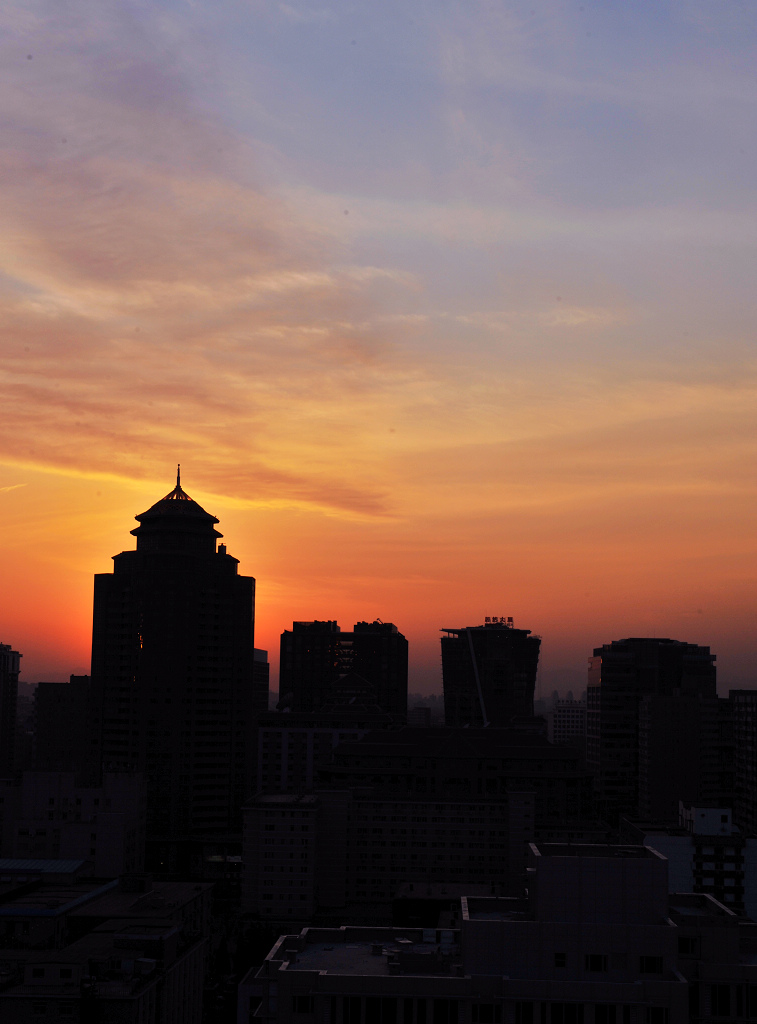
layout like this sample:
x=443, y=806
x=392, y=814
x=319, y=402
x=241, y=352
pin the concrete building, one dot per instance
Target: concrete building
x=49, y=815
x=620, y=675
x=64, y=737
x=173, y=675
x=317, y=657
x=597, y=941
x=292, y=744
x=686, y=753
x=706, y=854
x=9, y=669
x=744, y=703
x=488, y=673
x=566, y=722
x=411, y=806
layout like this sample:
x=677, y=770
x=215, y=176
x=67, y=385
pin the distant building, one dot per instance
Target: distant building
x=419, y=717
x=620, y=675
x=488, y=674
x=598, y=941
x=291, y=745
x=64, y=734
x=567, y=723
x=9, y=670
x=686, y=753
x=48, y=815
x=744, y=704
x=317, y=658
x=436, y=806
x=174, y=677
x=706, y=854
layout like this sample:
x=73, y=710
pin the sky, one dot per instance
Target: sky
x=446, y=308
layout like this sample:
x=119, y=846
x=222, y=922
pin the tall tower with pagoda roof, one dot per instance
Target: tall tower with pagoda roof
x=173, y=674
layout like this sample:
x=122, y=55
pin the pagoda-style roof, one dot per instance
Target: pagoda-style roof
x=177, y=503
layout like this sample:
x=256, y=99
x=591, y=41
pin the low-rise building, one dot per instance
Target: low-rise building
x=598, y=940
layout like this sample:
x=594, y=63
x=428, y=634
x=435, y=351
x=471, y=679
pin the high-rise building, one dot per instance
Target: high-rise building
x=620, y=675
x=9, y=669
x=744, y=704
x=686, y=753
x=488, y=673
x=63, y=734
x=320, y=665
x=173, y=671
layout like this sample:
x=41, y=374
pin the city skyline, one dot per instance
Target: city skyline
x=446, y=310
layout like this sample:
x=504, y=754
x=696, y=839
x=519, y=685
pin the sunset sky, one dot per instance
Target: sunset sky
x=446, y=308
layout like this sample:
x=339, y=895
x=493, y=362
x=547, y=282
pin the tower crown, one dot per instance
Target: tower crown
x=176, y=516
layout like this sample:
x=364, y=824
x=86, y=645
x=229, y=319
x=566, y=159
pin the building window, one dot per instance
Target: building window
x=352, y=1010
x=688, y=945
x=596, y=962
x=720, y=1000
x=566, y=1013
x=380, y=1011
x=302, y=1004
x=561, y=959
x=604, y=1013
x=445, y=1011
x=38, y=972
x=487, y=1013
x=657, y=1015
x=524, y=1013
x=650, y=965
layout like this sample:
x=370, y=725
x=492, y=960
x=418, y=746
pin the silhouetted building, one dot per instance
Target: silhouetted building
x=48, y=815
x=620, y=675
x=173, y=672
x=686, y=753
x=291, y=744
x=9, y=669
x=317, y=658
x=429, y=806
x=64, y=738
x=744, y=703
x=598, y=941
x=567, y=723
x=488, y=673
x=128, y=952
x=706, y=853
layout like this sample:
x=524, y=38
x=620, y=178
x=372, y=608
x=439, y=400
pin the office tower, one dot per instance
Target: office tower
x=319, y=663
x=686, y=753
x=173, y=672
x=63, y=734
x=620, y=675
x=488, y=673
x=9, y=669
x=745, y=738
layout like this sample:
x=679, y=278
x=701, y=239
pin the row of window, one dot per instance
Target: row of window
x=377, y=1010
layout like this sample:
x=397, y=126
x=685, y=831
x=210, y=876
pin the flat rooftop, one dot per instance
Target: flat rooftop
x=162, y=899
x=48, y=899
x=600, y=850
x=362, y=952
x=494, y=908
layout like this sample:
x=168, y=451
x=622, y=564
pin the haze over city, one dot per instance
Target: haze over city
x=446, y=310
